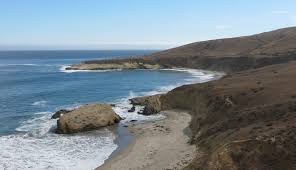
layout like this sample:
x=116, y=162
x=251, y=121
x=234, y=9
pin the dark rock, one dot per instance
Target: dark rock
x=152, y=104
x=132, y=109
x=149, y=110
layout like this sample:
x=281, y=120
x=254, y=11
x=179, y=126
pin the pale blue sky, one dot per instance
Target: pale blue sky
x=135, y=24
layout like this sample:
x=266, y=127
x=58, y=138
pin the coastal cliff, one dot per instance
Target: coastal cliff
x=246, y=119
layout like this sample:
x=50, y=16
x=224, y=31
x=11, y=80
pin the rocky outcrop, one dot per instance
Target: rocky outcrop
x=116, y=65
x=133, y=109
x=87, y=117
x=152, y=104
x=60, y=113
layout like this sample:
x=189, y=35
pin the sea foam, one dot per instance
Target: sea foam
x=55, y=151
x=123, y=105
x=41, y=103
x=63, y=69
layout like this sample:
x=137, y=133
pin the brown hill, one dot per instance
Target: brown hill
x=246, y=120
x=231, y=54
x=264, y=44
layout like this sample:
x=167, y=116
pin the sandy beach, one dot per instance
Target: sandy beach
x=156, y=145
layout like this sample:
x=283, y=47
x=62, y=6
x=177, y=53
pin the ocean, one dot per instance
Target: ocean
x=35, y=84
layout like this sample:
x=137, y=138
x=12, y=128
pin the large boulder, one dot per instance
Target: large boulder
x=86, y=118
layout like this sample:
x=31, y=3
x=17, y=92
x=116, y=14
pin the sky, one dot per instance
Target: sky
x=134, y=24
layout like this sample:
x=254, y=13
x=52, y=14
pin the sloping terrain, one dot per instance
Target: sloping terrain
x=246, y=120
x=228, y=55
x=265, y=44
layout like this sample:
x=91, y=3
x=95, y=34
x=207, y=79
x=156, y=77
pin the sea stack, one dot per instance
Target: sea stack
x=86, y=118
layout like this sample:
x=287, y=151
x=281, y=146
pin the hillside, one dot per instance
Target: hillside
x=231, y=54
x=245, y=120
x=268, y=44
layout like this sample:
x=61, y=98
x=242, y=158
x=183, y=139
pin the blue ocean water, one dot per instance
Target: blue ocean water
x=34, y=84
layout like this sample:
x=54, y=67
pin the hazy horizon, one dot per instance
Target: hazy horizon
x=110, y=25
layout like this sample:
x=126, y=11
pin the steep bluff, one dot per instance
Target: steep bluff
x=246, y=119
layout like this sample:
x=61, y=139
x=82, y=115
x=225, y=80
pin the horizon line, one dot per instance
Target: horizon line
x=9, y=50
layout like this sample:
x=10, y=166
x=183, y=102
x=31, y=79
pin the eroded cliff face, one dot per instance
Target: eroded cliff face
x=244, y=120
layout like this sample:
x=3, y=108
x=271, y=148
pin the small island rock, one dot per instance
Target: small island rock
x=86, y=118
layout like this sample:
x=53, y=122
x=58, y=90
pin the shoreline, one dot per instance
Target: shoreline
x=161, y=151
x=125, y=139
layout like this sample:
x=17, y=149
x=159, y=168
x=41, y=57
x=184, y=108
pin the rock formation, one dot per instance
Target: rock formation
x=152, y=104
x=87, y=117
x=133, y=109
x=114, y=65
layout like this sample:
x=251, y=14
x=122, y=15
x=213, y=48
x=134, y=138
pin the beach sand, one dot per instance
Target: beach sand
x=156, y=145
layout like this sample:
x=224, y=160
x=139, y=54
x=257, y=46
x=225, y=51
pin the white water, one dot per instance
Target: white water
x=41, y=103
x=64, y=70
x=39, y=148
